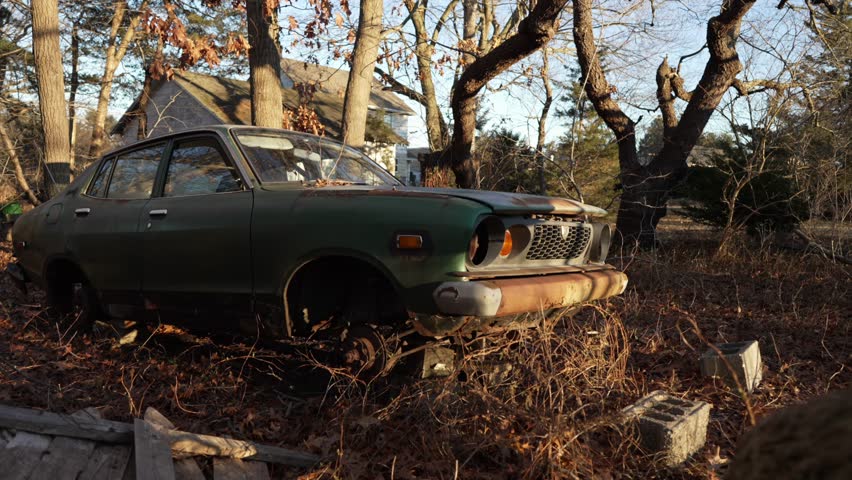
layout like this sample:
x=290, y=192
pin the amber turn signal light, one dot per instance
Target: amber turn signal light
x=507, y=244
x=409, y=242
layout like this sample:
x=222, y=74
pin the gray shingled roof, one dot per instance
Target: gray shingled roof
x=334, y=80
x=230, y=101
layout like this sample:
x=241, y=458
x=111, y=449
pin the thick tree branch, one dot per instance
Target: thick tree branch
x=666, y=97
x=395, y=86
x=534, y=31
x=719, y=74
x=594, y=81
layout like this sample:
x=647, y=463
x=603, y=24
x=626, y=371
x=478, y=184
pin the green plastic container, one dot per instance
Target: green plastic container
x=11, y=211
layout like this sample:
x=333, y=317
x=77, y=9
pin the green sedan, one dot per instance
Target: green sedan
x=300, y=234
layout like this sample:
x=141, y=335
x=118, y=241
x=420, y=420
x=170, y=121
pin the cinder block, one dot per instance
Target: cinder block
x=673, y=427
x=740, y=359
x=438, y=362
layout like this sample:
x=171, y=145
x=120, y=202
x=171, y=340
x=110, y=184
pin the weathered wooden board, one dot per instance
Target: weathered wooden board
x=196, y=444
x=22, y=455
x=64, y=459
x=100, y=430
x=49, y=423
x=153, y=455
x=185, y=468
x=234, y=469
x=130, y=471
x=107, y=462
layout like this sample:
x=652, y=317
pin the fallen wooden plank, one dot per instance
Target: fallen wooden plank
x=64, y=459
x=234, y=469
x=130, y=471
x=107, y=431
x=153, y=455
x=197, y=444
x=107, y=462
x=49, y=423
x=22, y=455
x=185, y=468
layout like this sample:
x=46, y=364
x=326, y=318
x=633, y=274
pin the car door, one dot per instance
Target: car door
x=196, y=232
x=105, y=239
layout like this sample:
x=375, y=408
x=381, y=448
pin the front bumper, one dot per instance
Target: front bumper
x=18, y=276
x=509, y=296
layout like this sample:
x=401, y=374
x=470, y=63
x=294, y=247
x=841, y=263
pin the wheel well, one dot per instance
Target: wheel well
x=59, y=277
x=343, y=289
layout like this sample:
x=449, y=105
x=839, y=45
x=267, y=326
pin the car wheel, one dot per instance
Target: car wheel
x=364, y=352
x=77, y=307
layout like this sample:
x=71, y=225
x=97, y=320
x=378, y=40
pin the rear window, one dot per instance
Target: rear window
x=99, y=184
x=198, y=167
x=135, y=172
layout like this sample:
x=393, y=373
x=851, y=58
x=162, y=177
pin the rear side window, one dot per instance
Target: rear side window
x=99, y=184
x=198, y=167
x=135, y=173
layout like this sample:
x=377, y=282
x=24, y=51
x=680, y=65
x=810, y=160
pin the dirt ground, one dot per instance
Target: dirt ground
x=543, y=403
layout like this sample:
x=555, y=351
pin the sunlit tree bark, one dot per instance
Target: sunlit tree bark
x=51, y=94
x=357, y=99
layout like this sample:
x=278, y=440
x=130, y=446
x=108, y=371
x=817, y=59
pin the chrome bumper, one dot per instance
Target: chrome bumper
x=508, y=296
x=18, y=276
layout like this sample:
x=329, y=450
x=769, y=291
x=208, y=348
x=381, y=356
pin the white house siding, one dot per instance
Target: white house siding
x=171, y=109
x=398, y=123
x=383, y=154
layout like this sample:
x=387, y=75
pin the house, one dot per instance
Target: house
x=193, y=99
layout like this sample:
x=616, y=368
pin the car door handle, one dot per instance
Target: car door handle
x=158, y=213
x=82, y=211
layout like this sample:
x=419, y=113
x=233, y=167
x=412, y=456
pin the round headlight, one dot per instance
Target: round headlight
x=601, y=240
x=487, y=242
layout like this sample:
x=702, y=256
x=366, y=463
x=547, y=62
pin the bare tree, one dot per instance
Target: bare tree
x=12, y=153
x=646, y=187
x=116, y=50
x=357, y=99
x=424, y=49
x=51, y=94
x=267, y=108
x=534, y=31
x=74, y=85
x=542, y=122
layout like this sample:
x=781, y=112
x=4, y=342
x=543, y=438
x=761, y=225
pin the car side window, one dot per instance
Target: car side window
x=135, y=172
x=198, y=167
x=99, y=184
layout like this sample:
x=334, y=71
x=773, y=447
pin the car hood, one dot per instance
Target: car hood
x=500, y=202
x=505, y=203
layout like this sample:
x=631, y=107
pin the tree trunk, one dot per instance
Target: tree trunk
x=51, y=94
x=645, y=189
x=23, y=184
x=114, y=55
x=267, y=108
x=72, y=96
x=542, y=124
x=145, y=97
x=534, y=31
x=142, y=109
x=470, y=12
x=436, y=127
x=357, y=99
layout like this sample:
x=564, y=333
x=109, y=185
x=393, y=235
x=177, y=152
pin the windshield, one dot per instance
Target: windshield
x=278, y=157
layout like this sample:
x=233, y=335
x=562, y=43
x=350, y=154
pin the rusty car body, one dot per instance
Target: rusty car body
x=304, y=233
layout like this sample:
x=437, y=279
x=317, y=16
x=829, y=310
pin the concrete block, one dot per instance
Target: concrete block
x=672, y=427
x=740, y=359
x=438, y=362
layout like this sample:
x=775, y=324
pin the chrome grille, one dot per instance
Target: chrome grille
x=549, y=244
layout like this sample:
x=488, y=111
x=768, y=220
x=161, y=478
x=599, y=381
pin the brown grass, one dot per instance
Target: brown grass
x=552, y=414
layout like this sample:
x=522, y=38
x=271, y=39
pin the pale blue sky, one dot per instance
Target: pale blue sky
x=635, y=48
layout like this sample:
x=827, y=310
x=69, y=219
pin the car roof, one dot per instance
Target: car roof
x=222, y=129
